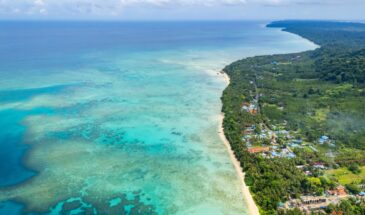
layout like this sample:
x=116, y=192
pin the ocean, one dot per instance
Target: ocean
x=121, y=117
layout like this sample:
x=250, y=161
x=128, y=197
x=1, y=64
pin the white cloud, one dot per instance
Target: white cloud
x=104, y=8
x=39, y=2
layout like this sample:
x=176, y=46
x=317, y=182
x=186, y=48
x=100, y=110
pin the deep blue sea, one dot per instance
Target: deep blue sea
x=121, y=117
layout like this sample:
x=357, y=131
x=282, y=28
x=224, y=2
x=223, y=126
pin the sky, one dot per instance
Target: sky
x=181, y=9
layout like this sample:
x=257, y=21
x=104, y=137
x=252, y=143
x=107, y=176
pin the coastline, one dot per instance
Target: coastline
x=250, y=203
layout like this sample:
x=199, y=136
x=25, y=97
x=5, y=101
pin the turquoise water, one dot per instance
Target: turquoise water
x=121, y=118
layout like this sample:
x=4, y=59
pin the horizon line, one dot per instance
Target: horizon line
x=172, y=20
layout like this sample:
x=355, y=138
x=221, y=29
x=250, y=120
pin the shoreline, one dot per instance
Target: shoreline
x=250, y=203
x=248, y=198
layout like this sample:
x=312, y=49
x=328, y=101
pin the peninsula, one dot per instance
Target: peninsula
x=296, y=122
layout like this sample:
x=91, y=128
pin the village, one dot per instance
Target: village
x=297, y=126
x=307, y=204
x=275, y=141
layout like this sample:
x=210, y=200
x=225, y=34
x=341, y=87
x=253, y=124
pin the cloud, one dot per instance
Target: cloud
x=105, y=8
x=39, y=2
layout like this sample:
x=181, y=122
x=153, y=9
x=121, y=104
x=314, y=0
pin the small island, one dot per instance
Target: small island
x=296, y=122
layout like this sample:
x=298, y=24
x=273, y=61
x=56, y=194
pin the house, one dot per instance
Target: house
x=285, y=151
x=252, y=127
x=293, y=145
x=275, y=154
x=255, y=150
x=245, y=106
x=247, y=137
x=246, y=132
x=263, y=136
x=319, y=166
x=282, y=132
x=307, y=200
x=298, y=141
x=291, y=155
x=250, y=107
x=334, y=212
x=308, y=173
x=323, y=139
x=339, y=191
x=312, y=203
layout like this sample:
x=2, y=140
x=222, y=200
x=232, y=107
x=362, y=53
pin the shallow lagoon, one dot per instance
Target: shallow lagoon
x=121, y=117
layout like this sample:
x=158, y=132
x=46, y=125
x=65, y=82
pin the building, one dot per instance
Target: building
x=255, y=150
x=313, y=203
x=297, y=141
x=275, y=154
x=308, y=173
x=324, y=139
x=337, y=212
x=319, y=166
x=309, y=200
x=339, y=191
x=247, y=132
x=251, y=108
x=291, y=155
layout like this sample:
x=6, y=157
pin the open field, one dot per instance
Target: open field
x=344, y=176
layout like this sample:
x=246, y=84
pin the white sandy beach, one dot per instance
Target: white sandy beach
x=251, y=206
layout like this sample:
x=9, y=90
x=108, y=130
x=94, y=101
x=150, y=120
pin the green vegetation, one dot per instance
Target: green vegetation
x=348, y=207
x=345, y=176
x=354, y=168
x=318, y=97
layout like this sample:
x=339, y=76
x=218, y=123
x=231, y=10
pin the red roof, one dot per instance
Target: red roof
x=339, y=191
x=258, y=149
x=247, y=132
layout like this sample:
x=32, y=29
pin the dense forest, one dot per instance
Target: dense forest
x=311, y=95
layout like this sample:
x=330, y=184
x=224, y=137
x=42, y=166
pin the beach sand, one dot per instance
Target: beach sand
x=251, y=206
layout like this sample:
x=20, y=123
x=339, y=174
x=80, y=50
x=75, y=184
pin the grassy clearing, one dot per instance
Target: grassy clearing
x=344, y=176
x=321, y=114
